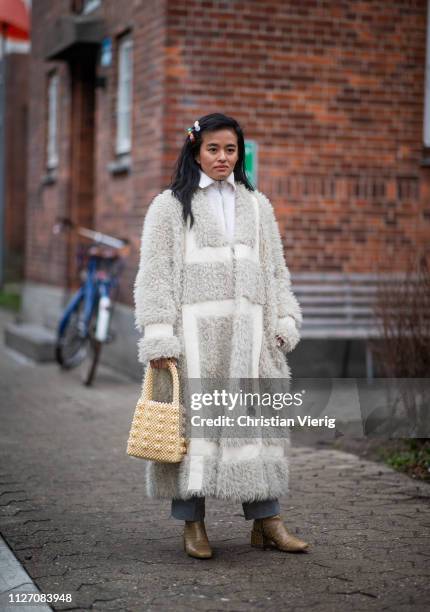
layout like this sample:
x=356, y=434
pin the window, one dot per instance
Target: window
x=124, y=96
x=90, y=5
x=427, y=85
x=52, y=135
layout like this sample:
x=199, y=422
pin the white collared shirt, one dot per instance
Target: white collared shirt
x=221, y=196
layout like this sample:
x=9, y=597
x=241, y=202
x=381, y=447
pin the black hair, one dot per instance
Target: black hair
x=186, y=176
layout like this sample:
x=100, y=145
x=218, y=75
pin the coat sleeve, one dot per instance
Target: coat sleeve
x=289, y=312
x=155, y=311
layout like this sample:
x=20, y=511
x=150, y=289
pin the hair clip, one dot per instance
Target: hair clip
x=190, y=134
x=196, y=128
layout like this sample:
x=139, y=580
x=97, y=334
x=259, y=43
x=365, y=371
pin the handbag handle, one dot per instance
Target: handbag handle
x=149, y=379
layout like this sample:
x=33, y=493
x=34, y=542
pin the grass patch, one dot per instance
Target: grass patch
x=10, y=300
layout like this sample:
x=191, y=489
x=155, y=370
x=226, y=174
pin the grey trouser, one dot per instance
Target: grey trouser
x=193, y=509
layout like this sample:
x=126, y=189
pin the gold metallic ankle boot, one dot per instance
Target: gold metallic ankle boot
x=196, y=543
x=272, y=531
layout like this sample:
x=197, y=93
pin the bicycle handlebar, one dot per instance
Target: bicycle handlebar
x=116, y=243
x=98, y=237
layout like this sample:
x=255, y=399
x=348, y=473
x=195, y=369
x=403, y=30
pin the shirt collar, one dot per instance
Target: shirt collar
x=206, y=180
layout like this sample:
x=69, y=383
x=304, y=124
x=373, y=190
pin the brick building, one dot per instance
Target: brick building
x=16, y=131
x=332, y=92
x=13, y=198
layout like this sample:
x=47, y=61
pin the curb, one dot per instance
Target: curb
x=14, y=579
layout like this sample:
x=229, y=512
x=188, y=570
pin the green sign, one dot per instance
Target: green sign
x=251, y=161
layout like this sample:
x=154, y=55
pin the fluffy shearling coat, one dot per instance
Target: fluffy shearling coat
x=217, y=307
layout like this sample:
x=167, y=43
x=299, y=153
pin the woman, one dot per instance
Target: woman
x=213, y=293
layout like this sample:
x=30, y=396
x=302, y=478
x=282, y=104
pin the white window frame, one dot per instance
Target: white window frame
x=426, y=130
x=90, y=5
x=52, y=132
x=124, y=107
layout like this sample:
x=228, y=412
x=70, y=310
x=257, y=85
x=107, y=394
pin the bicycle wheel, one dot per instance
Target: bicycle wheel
x=72, y=346
x=89, y=365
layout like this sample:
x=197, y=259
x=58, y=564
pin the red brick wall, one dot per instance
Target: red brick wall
x=16, y=108
x=45, y=254
x=332, y=92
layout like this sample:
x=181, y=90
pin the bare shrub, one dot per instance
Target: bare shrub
x=402, y=312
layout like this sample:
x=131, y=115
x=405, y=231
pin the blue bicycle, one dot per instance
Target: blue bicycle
x=85, y=324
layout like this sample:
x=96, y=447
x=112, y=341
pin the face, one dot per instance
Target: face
x=218, y=153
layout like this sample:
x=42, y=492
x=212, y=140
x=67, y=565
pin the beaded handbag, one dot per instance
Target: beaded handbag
x=157, y=428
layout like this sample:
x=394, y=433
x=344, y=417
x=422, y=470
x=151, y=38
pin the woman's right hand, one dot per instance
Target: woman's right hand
x=162, y=362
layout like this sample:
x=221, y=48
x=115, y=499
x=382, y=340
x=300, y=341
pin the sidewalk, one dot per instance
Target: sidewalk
x=73, y=510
